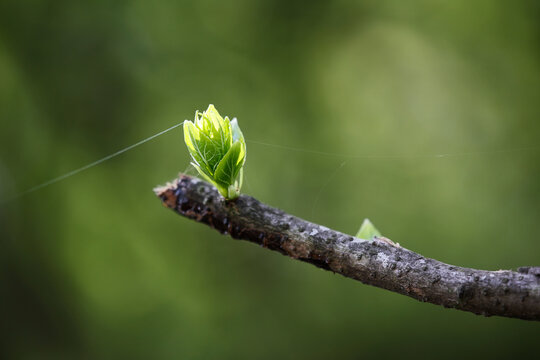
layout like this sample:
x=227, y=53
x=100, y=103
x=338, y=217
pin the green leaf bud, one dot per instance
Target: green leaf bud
x=218, y=150
x=367, y=231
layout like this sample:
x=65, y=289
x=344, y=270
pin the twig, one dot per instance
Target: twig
x=379, y=263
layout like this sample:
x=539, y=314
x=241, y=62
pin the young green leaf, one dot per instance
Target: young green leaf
x=367, y=231
x=236, y=132
x=218, y=150
x=227, y=169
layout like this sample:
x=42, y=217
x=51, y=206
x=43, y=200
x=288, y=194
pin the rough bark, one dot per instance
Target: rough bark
x=378, y=262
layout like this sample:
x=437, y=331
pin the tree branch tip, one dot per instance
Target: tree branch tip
x=380, y=262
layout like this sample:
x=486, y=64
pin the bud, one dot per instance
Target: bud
x=367, y=231
x=218, y=150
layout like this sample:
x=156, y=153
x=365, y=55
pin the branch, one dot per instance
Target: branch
x=379, y=262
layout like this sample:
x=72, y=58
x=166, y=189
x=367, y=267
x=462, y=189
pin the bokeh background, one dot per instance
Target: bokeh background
x=94, y=267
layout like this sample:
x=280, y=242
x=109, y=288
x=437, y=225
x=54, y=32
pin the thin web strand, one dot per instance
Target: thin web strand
x=290, y=148
x=88, y=166
x=406, y=156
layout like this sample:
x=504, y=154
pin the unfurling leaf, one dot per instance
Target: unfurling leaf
x=218, y=150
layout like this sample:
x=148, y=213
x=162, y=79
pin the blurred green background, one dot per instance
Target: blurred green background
x=94, y=267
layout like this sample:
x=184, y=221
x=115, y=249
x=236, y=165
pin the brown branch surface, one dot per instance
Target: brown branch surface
x=379, y=262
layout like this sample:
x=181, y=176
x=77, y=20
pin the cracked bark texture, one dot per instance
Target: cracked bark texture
x=377, y=262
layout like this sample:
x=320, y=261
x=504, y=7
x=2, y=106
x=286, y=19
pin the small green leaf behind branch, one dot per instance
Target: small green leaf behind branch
x=368, y=231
